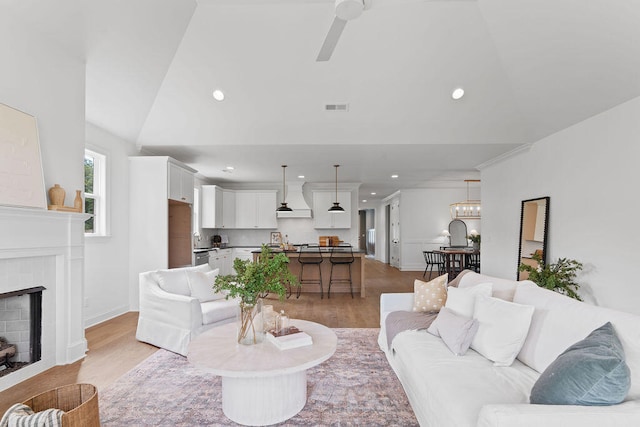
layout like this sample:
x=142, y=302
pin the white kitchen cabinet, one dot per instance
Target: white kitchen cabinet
x=244, y=254
x=222, y=259
x=228, y=209
x=218, y=207
x=256, y=209
x=180, y=183
x=212, y=206
x=322, y=201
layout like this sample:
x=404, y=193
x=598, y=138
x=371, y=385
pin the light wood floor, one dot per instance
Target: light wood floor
x=113, y=349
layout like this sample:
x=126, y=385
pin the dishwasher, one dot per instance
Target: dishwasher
x=201, y=258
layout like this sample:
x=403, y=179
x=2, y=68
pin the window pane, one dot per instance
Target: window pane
x=89, y=207
x=88, y=174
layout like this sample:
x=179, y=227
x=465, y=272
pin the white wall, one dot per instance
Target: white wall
x=424, y=213
x=107, y=258
x=40, y=79
x=590, y=172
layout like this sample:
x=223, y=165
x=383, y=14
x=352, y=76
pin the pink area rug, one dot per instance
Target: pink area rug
x=356, y=387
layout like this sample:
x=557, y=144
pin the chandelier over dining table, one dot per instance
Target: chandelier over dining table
x=468, y=209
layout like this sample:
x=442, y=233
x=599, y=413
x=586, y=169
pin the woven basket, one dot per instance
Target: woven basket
x=78, y=401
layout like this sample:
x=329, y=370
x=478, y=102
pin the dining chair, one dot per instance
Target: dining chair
x=433, y=259
x=473, y=262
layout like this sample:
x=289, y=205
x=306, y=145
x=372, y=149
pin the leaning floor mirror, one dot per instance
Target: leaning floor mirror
x=534, y=222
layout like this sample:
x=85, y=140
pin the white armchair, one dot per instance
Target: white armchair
x=177, y=305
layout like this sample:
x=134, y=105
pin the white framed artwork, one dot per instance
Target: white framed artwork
x=21, y=177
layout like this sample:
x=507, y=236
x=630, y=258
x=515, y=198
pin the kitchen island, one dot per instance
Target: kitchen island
x=357, y=271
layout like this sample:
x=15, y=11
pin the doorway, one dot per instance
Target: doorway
x=367, y=231
x=394, y=229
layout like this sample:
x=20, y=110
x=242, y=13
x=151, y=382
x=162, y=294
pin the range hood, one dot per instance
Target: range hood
x=295, y=200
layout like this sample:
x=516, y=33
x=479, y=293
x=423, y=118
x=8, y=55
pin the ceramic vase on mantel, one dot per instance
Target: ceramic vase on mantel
x=250, y=324
x=57, y=195
x=476, y=246
x=77, y=202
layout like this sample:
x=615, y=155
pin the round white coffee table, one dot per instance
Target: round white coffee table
x=261, y=384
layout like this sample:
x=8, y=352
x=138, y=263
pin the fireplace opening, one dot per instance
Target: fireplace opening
x=20, y=328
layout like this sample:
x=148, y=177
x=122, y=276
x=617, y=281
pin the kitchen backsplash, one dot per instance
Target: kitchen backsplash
x=298, y=231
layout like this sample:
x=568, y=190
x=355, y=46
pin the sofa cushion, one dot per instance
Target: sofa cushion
x=559, y=322
x=456, y=331
x=503, y=327
x=215, y=311
x=591, y=372
x=430, y=296
x=447, y=390
x=174, y=281
x=502, y=288
x=201, y=285
x=463, y=301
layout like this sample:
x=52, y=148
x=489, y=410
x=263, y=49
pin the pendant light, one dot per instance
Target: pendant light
x=469, y=209
x=336, y=208
x=283, y=206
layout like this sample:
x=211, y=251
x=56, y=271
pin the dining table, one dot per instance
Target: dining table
x=455, y=259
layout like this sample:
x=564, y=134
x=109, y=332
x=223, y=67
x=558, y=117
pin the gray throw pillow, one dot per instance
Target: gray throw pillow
x=591, y=372
x=456, y=331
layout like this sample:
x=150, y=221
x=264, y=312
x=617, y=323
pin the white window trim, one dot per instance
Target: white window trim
x=100, y=195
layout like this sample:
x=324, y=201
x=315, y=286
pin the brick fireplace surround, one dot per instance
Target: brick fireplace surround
x=46, y=248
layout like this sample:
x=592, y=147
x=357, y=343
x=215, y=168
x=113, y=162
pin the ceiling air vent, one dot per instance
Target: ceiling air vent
x=336, y=107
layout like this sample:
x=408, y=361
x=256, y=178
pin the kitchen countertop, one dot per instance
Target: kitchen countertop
x=322, y=249
x=198, y=250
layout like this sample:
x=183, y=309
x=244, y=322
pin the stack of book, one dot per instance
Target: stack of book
x=291, y=337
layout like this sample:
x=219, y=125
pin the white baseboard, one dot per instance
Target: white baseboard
x=92, y=321
x=412, y=267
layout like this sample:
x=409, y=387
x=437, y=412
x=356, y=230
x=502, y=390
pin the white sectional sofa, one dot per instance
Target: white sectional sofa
x=178, y=304
x=468, y=390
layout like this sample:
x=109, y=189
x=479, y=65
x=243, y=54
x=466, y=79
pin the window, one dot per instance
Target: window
x=95, y=202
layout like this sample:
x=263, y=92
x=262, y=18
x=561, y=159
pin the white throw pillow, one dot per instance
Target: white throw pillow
x=430, y=296
x=502, y=329
x=174, y=281
x=462, y=301
x=456, y=331
x=201, y=285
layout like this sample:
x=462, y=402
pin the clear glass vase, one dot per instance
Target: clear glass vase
x=250, y=323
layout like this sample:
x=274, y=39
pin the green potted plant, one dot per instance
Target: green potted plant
x=559, y=276
x=252, y=281
x=475, y=239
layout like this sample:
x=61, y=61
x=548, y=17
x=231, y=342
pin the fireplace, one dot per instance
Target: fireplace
x=45, y=249
x=20, y=328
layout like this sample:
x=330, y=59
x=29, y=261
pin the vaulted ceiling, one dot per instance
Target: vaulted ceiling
x=529, y=68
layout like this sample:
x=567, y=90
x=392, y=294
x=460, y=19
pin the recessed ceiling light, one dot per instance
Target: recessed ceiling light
x=364, y=200
x=394, y=176
x=229, y=168
x=218, y=95
x=457, y=93
x=373, y=194
x=301, y=176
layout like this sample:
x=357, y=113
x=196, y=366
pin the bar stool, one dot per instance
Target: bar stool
x=310, y=255
x=341, y=255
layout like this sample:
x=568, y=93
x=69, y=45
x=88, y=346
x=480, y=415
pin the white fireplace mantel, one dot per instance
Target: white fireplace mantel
x=46, y=248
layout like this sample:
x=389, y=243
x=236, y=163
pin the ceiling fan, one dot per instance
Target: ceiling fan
x=346, y=10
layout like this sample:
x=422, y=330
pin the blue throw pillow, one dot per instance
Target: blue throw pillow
x=592, y=372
